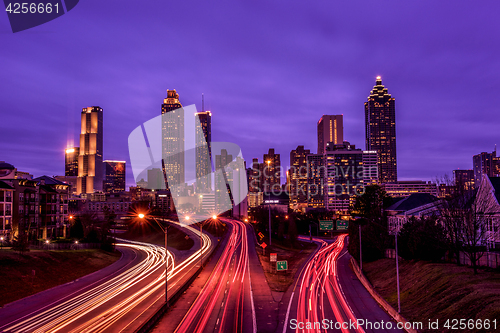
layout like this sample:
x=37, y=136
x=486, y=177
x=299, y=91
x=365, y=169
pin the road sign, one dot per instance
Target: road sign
x=342, y=224
x=264, y=245
x=274, y=257
x=187, y=237
x=326, y=225
x=261, y=235
x=282, y=265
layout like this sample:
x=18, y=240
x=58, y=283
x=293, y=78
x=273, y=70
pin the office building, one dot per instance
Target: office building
x=155, y=179
x=271, y=175
x=330, y=129
x=343, y=176
x=115, y=176
x=464, y=179
x=315, y=181
x=203, y=152
x=297, y=178
x=370, y=167
x=90, y=167
x=484, y=164
x=173, y=138
x=71, y=161
x=380, y=122
x=407, y=188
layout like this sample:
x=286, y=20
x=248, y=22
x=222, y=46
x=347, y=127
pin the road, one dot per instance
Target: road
x=112, y=303
x=327, y=298
x=225, y=303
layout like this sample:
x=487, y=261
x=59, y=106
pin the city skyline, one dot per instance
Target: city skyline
x=280, y=97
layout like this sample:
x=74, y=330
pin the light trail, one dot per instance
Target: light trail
x=204, y=306
x=102, y=306
x=320, y=279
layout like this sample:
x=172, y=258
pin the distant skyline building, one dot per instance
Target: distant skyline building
x=370, y=167
x=155, y=179
x=464, y=179
x=380, y=123
x=297, y=178
x=222, y=178
x=173, y=138
x=204, y=152
x=71, y=156
x=343, y=176
x=483, y=164
x=115, y=176
x=330, y=129
x=271, y=175
x=407, y=188
x=315, y=181
x=90, y=167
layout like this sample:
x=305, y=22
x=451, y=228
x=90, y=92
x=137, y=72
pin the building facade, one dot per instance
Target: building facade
x=484, y=164
x=173, y=138
x=115, y=176
x=271, y=174
x=315, y=181
x=90, y=167
x=204, y=152
x=71, y=156
x=380, y=123
x=297, y=178
x=330, y=129
x=407, y=188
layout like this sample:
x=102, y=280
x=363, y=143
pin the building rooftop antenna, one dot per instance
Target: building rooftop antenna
x=202, y=103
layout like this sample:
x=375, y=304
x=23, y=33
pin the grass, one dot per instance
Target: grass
x=280, y=281
x=438, y=291
x=52, y=268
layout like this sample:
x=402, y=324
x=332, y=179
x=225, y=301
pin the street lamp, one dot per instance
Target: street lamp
x=1, y=241
x=141, y=216
x=397, y=271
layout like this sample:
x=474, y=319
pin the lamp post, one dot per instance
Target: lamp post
x=1, y=241
x=142, y=216
x=397, y=272
x=269, y=204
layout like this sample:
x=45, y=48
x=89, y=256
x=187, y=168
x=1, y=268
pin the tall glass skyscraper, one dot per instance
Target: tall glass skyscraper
x=203, y=152
x=90, y=167
x=330, y=129
x=380, y=122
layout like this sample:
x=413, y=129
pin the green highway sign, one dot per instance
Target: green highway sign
x=342, y=224
x=325, y=225
x=281, y=265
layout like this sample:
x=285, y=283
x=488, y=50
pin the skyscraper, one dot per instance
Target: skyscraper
x=484, y=164
x=115, y=176
x=380, y=122
x=297, y=177
x=71, y=161
x=90, y=167
x=173, y=138
x=271, y=175
x=330, y=129
x=203, y=152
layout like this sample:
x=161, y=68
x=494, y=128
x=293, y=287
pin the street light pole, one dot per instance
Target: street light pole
x=397, y=272
x=360, y=254
x=141, y=216
x=269, y=203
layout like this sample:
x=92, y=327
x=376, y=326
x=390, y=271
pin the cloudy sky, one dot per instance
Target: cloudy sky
x=268, y=69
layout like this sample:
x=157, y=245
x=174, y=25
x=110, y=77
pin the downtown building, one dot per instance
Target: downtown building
x=90, y=166
x=173, y=139
x=297, y=178
x=115, y=176
x=203, y=152
x=485, y=164
x=271, y=173
x=380, y=129
x=330, y=129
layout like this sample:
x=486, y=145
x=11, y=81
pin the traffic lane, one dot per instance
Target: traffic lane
x=44, y=300
x=360, y=300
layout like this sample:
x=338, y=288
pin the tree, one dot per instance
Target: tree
x=422, y=239
x=375, y=238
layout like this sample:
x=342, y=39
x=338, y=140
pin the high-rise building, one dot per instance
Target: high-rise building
x=71, y=161
x=315, y=181
x=380, y=122
x=343, y=176
x=370, y=167
x=464, y=179
x=155, y=179
x=90, y=167
x=297, y=178
x=483, y=164
x=330, y=129
x=222, y=178
x=271, y=175
x=115, y=176
x=203, y=152
x=173, y=138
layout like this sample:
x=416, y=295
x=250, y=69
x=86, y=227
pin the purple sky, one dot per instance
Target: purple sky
x=268, y=69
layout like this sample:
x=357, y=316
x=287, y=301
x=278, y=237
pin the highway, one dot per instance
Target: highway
x=225, y=304
x=324, y=300
x=112, y=303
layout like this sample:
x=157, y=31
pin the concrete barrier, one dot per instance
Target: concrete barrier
x=380, y=300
